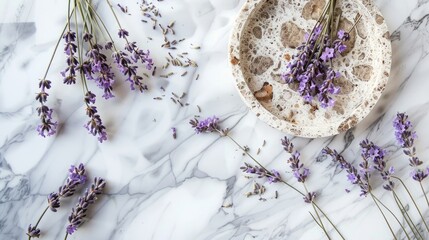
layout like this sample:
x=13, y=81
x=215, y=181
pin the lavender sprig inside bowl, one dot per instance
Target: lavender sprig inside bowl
x=311, y=67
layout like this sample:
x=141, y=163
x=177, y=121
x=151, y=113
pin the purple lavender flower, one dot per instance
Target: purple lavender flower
x=53, y=201
x=209, y=124
x=76, y=177
x=78, y=213
x=309, y=198
x=95, y=124
x=376, y=154
x=299, y=171
x=272, y=176
x=70, y=48
x=310, y=70
x=124, y=64
x=48, y=126
x=123, y=33
x=96, y=68
x=33, y=232
x=355, y=177
x=405, y=137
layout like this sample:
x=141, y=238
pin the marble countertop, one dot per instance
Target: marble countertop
x=190, y=187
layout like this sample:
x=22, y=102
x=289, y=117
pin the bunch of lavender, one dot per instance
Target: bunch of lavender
x=211, y=125
x=311, y=67
x=78, y=213
x=87, y=58
x=76, y=177
x=373, y=160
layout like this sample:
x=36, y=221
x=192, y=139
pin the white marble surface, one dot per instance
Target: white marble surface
x=161, y=188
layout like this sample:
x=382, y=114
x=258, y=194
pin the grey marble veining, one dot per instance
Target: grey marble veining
x=161, y=188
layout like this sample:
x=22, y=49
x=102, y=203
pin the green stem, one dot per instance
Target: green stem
x=329, y=220
x=396, y=218
x=414, y=202
x=56, y=48
x=40, y=218
x=384, y=216
x=317, y=214
x=407, y=218
x=102, y=23
x=65, y=237
x=424, y=193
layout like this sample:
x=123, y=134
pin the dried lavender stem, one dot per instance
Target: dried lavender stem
x=424, y=193
x=40, y=218
x=102, y=23
x=382, y=213
x=283, y=181
x=56, y=47
x=412, y=199
x=406, y=216
x=317, y=214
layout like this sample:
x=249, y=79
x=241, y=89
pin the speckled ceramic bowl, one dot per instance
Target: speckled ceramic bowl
x=264, y=38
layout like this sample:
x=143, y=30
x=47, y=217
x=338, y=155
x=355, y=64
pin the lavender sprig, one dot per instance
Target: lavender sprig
x=209, y=124
x=33, y=232
x=405, y=136
x=96, y=67
x=309, y=68
x=299, y=171
x=70, y=48
x=48, y=126
x=76, y=177
x=78, y=213
x=95, y=124
x=272, y=176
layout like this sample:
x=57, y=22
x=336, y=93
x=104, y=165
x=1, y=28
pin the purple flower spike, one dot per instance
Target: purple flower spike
x=123, y=33
x=309, y=198
x=272, y=176
x=209, y=124
x=70, y=48
x=405, y=137
x=78, y=213
x=33, y=232
x=299, y=171
x=309, y=68
x=53, y=201
x=355, y=177
x=95, y=124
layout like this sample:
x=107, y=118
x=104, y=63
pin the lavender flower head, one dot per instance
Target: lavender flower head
x=76, y=177
x=403, y=131
x=48, y=126
x=209, y=124
x=376, y=154
x=78, y=213
x=405, y=137
x=353, y=175
x=299, y=171
x=314, y=76
x=70, y=48
x=95, y=125
x=272, y=176
x=33, y=232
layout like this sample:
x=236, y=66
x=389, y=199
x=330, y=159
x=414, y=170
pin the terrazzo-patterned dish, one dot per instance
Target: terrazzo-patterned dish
x=264, y=38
